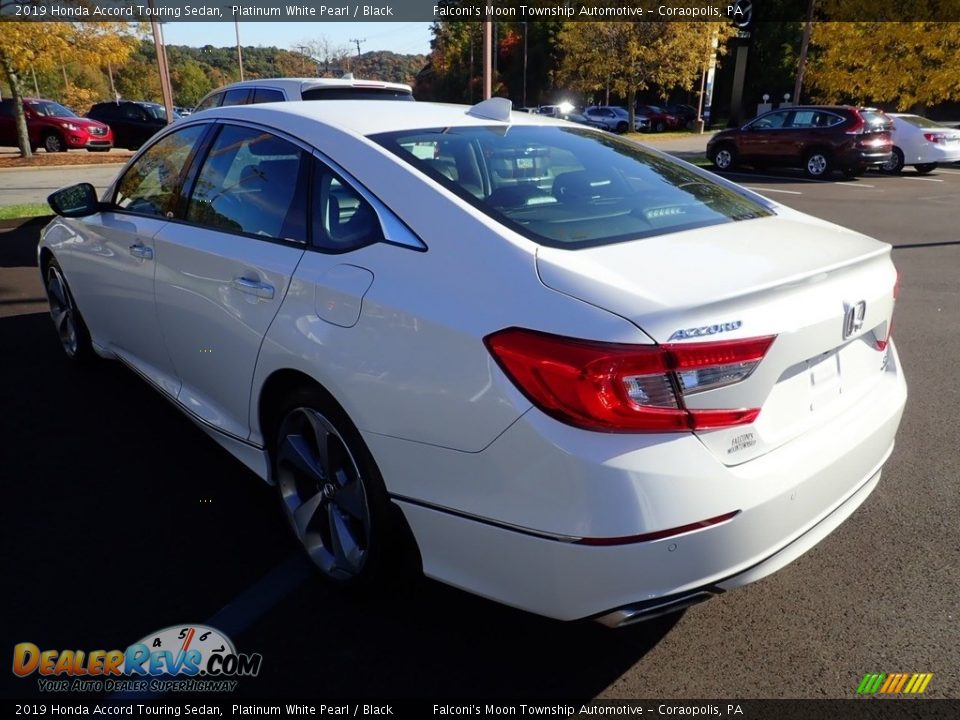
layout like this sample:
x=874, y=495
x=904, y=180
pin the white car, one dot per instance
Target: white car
x=587, y=379
x=250, y=92
x=921, y=142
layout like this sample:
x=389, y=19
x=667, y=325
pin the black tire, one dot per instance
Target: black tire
x=925, y=168
x=724, y=157
x=818, y=164
x=894, y=165
x=336, y=501
x=622, y=127
x=54, y=142
x=67, y=320
x=659, y=126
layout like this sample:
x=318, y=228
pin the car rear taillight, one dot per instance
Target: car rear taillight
x=858, y=127
x=882, y=344
x=626, y=388
x=936, y=138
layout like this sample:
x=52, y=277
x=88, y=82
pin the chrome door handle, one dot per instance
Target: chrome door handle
x=141, y=251
x=253, y=287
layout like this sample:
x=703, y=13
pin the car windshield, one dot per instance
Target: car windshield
x=921, y=122
x=157, y=112
x=570, y=187
x=48, y=108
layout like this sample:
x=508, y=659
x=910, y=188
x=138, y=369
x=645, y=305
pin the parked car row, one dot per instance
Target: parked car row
x=821, y=139
x=53, y=127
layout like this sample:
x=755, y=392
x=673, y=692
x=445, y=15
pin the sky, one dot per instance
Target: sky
x=400, y=37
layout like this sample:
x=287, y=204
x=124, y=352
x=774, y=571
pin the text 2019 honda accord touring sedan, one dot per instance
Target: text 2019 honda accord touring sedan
x=588, y=380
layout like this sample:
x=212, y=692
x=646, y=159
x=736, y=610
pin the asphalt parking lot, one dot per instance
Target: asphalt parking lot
x=121, y=518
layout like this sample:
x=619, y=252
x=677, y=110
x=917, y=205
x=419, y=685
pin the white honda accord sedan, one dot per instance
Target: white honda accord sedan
x=586, y=379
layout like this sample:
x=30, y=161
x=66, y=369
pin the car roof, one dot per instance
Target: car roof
x=369, y=117
x=306, y=83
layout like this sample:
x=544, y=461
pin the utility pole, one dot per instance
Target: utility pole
x=236, y=24
x=36, y=88
x=487, y=58
x=165, y=88
x=358, y=41
x=524, y=100
x=802, y=64
x=303, y=60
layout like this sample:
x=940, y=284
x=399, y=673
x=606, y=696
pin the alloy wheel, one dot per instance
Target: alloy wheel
x=53, y=143
x=895, y=163
x=723, y=159
x=323, y=493
x=63, y=312
x=817, y=164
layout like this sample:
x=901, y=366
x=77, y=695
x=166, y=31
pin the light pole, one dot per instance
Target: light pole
x=236, y=24
x=524, y=99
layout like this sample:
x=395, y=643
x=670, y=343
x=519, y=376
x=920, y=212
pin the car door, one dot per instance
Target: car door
x=759, y=140
x=112, y=264
x=225, y=265
x=8, y=127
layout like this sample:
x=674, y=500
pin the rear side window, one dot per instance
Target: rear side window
x=342, y=219
x=569, y=187
x=265, y=95
x=252, y=182
x=356, y=93
x=150, y=185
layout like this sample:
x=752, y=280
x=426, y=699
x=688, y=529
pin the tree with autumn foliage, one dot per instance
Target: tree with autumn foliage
x=629, y=56
x=907, y=64
x=42, y=46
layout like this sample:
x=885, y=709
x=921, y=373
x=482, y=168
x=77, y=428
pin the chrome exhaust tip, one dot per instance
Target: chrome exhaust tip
x=650, y=609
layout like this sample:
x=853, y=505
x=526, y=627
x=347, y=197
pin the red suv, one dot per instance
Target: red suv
x=53, y=127
x=819, y=139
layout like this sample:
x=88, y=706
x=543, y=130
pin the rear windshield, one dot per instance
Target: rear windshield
x=356, y=93
x=570, y=187
x=920, y=122
x=876, y=119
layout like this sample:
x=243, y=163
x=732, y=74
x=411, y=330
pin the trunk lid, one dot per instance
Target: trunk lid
x=795, y=277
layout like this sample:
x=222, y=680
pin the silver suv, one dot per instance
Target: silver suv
x=265, y=90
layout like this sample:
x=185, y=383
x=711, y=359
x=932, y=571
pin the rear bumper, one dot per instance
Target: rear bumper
x=870, y=158
x=931, y=153
x=504, y=523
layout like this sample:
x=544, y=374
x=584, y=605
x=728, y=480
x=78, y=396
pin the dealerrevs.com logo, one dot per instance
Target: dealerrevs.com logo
x=189, y=658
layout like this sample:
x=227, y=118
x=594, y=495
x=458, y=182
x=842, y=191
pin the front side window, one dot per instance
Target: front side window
x=252, y=182
x=210, y=102
x=237, y=96
x=771, y=121
x=569, y=187
x=150, y=185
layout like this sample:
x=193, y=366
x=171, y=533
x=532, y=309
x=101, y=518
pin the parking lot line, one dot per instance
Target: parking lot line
x=798, y=179
x=774, y=190
x=907, y=177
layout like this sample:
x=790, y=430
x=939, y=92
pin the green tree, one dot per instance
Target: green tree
x=190, y=83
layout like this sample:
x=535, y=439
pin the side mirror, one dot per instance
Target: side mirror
x=75, y=201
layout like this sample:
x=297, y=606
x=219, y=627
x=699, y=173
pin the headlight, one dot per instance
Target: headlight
x=71, y=126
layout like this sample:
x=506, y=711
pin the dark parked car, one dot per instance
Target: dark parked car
x=819, y=139
x=686, y=113
x=660, y=119
x=53, y=127
x=133, y=123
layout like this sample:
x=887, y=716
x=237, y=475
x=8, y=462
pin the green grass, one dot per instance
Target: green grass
x=11, y=212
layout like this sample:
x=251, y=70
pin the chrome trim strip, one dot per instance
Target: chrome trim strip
x=183, y=408
x=486, y=521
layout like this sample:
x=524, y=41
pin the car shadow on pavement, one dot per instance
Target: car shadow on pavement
x=121, y=517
